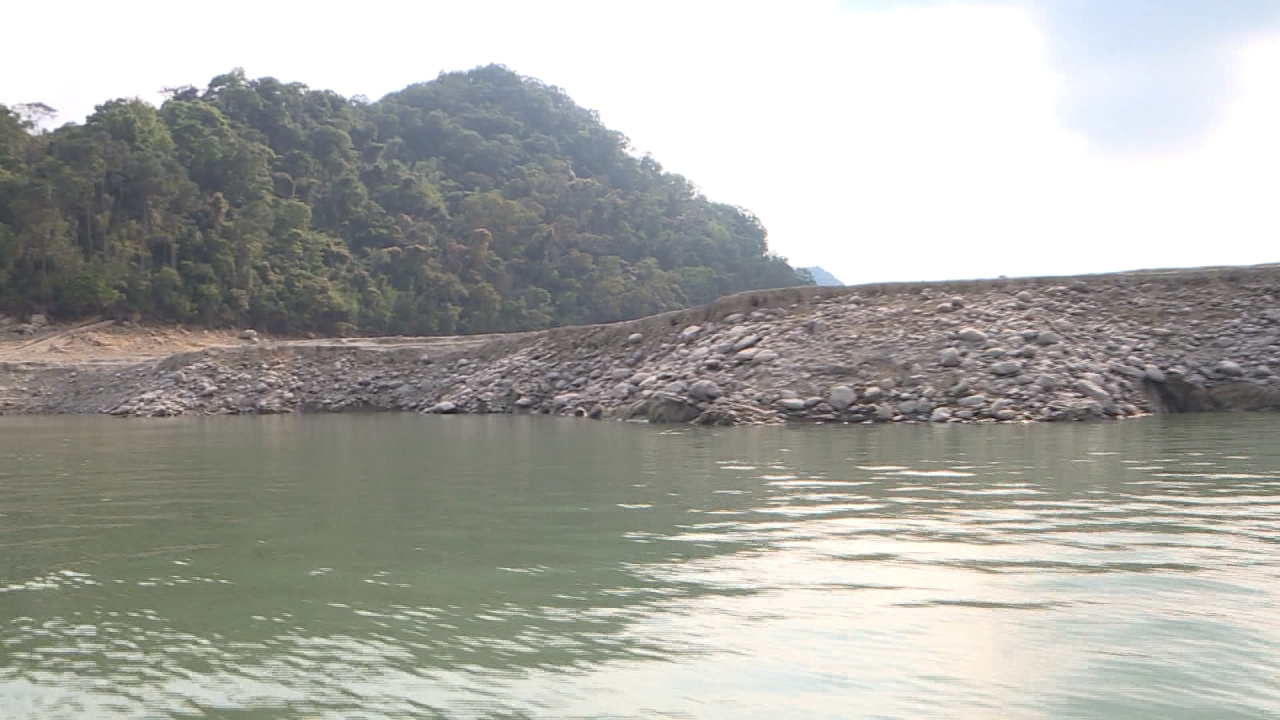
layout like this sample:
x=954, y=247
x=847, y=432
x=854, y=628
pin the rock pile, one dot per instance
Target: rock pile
x=34, y=324
x=1016, y=350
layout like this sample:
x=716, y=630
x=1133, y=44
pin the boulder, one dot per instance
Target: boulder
x=689, y=334
x=1007, y=368
x=841, y=397
x=949, y=358
x=790, y=404
x=704, y=390
x=1092, y=390
x=1229, y=368
x=972, y=335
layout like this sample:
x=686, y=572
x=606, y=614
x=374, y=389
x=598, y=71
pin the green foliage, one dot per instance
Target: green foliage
x=480, y=201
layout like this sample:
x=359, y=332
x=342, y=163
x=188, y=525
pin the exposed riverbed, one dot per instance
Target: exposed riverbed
x=1107, y=346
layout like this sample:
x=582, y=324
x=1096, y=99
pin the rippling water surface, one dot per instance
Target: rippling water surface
x=459, y=567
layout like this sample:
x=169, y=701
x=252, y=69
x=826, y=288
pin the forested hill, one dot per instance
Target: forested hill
x=480, y=201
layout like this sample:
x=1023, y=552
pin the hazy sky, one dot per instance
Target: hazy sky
x=881, y=139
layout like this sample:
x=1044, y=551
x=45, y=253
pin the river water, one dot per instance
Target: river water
x=516, y=567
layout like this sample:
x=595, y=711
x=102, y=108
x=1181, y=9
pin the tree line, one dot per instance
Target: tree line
x=480, y=201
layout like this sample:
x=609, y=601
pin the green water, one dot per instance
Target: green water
x=460, y=567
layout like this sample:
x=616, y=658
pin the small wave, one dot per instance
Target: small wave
x=933, y=473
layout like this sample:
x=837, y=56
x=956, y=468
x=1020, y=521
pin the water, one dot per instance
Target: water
x=409, y=566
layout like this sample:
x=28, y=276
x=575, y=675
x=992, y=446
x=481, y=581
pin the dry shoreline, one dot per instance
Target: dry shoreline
x=1008, y=350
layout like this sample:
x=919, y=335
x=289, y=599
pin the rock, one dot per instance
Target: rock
x=1006, y=415
x=1229, y=368
x=790, y=404
x=746, y=342
x=1127, y=370
x=940, y=415
x=249, y=334
x=765, y=356
x=972, y=335
x=1007, y=368
x=884, y=413
x=872, y=393
x=525, y=402
x=949, y=358
x=1048, y=338
x=704, y=390
x=38, y=319
x=734, y=318
x=971, y=401
x=908, y=407
x=816, y=327
x=1092, y=390
x=689, y=334
x=1153, y=374
x=945, y=307
x=445, y=407
x=635, y=338
x=841, y=397
x=561, y=402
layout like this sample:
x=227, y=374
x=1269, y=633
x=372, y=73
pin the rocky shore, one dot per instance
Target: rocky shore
x=1008, y=350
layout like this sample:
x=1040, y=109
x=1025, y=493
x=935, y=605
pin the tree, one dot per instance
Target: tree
x=479, y=201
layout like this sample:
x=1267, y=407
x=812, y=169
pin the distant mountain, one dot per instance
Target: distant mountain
x=820, y=276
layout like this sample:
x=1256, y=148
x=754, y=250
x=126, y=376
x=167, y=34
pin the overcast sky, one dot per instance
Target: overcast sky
x=880, y=139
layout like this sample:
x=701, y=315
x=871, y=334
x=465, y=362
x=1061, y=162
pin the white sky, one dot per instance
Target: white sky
x=904, y=145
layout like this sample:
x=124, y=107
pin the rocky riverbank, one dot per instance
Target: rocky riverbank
x=1037, y=349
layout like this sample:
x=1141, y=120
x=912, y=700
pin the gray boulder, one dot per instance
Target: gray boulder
x=1092, y=390
x=704, y=390
x=1230, y=369
x=841, y=397
x=1007, y=368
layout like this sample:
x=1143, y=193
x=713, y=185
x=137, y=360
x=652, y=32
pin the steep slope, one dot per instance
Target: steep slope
x=480, y=201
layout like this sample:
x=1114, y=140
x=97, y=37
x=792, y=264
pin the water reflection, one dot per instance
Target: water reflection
x=529, y=567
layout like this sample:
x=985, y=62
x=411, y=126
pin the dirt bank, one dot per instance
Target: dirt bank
x=1104, y=346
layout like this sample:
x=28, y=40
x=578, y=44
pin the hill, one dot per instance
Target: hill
x=480, y=201
x=820, y=276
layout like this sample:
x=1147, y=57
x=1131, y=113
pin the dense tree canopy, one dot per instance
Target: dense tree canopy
x=480, y=201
